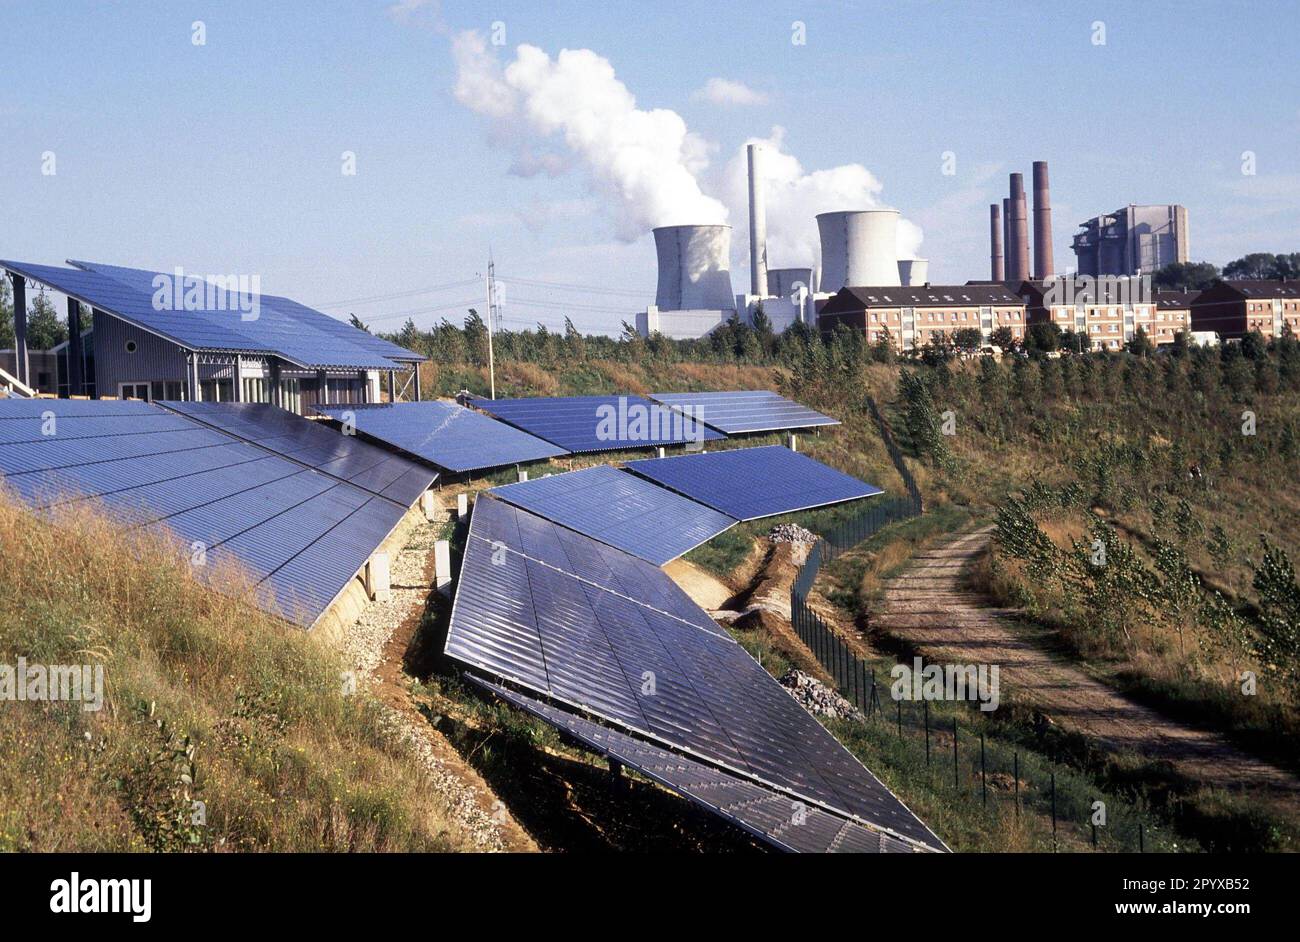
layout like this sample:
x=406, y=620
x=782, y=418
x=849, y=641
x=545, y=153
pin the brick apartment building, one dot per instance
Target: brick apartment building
x=1107, y=314
x=1234, y=308
x=913, y=316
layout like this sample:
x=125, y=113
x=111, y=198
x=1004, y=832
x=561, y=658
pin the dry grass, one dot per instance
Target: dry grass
x=205, y=700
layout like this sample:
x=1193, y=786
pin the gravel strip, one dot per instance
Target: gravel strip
x=363, y=645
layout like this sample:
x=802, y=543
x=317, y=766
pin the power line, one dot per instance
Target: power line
x=426, y=310
x=570, y=286
x=369, y=299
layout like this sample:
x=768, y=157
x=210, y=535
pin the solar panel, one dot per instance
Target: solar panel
x=740, y=411
x=599, y=423
x=445, y=434
x=279, y=328
x=557, y=633
x=785, y=823
x=749, y=483
x=621, y=510
x=314, y=444
x=299, y=534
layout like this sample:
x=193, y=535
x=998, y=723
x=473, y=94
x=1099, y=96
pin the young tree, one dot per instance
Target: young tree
x=1043, y=336
x=968, y=340
x=1003, y=339
x=1186, y=276
x=1140, y=344
x=357, y=323
x=44, y=329
x=6, y=315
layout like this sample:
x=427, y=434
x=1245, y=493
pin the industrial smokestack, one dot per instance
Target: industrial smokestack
x=694, y=268
x=781, y=281
x=913, y=271
x=1019, y=228
x=1006, y=236
x=757, y=226
x=1042, y=223
x=997, y=272
x=859, y=248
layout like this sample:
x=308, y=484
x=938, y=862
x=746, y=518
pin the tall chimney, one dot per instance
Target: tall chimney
x=995, y=243
x=1006, y=237
x=757, y=227
x=1020, y=227
x=1042, y=223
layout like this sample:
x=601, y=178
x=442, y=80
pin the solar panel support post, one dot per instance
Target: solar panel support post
x=196, y=390
x=21, y=369
x=378, y=579
x=322, y=388
x=392, y=385
x=277, y=394
x=442, y=566
x=415, y=370
x=74, y=347
x=237, y=379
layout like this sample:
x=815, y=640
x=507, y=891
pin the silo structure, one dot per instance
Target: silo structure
x=859, y=248
x=694, y=268
x=913, y=271
x=781, y=281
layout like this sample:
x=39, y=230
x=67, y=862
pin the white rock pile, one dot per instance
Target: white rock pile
x=791, y=533
x=818, y=699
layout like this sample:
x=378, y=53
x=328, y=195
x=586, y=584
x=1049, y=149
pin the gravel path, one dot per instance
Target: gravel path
x=929, y=607
x=364, y=645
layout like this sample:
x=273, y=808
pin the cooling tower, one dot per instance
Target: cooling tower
x=781, y=281
x=757, y=225
x=859, y=248
x=694, y=268
x=913, y=271
x=1042, y=223
x=995, y=242
x=1019, y=230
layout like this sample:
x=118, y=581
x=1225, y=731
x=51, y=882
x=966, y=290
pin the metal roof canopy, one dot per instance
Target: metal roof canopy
x=598, y=423
x=315, y=445
x=281, y=328
x=555, y=632
x=763, y=812
x=751, y=483
x=445, y=434
x=300, y=534
x=739, y=411
x=621, y=510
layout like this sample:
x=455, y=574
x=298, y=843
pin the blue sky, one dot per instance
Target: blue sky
x=227, y=157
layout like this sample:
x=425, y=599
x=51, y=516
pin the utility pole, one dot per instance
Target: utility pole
x=491, y=320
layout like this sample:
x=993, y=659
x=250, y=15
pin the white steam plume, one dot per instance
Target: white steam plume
x=647, y=160
x=794, y=198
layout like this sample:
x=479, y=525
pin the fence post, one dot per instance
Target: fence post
x=1053, y=811
x=1016, y=777
x=926, y=706
x=956, y=780
x=984, y=774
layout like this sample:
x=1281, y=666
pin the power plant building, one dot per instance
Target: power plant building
x=1135, y=240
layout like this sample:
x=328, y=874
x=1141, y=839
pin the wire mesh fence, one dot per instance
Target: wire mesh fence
x=996, y=775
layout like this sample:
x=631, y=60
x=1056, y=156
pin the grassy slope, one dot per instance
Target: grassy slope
x=281, y=759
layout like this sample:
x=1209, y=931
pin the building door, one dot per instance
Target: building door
x=134, y=391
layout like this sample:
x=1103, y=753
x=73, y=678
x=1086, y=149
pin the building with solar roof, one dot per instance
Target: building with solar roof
x=179, y=336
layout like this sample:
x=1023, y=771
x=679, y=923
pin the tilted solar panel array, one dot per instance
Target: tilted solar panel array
x=598, y=423
x=445, y=434
x=295, y=329
x=299, y=534
x=525, y=612
x=749, y=483
x=621, y=510
x=741, y=411
x=314, y=444
x=784, y=822
x=281, y=327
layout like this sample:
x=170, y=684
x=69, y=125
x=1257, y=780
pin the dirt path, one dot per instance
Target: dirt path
x=929, y=608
